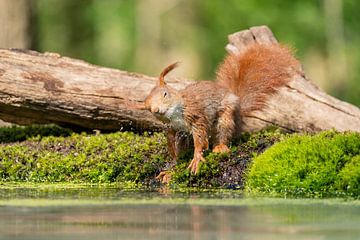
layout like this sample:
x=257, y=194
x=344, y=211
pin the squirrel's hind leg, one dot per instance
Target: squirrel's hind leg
x=225, y=128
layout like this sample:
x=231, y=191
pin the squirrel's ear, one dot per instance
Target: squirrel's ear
x=166, y=71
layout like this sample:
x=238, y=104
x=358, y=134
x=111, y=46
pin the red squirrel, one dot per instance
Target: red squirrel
x=213, y=110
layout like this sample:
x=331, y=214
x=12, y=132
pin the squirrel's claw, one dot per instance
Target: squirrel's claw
x=194, y=164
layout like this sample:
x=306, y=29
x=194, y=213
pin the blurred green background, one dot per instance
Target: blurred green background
x=145, y=35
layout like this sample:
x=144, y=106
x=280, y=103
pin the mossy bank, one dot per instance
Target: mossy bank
x=324, y=165
x=327, y=164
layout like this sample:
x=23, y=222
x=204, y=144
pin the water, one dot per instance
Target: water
x=100, y=213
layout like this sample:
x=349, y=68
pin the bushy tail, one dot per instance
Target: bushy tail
x=257, y=73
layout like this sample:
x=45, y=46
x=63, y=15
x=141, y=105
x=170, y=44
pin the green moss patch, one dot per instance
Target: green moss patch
x=226, y=170
x=323, y=165
x=123, y=157
x=103, y=158
x=268, y=162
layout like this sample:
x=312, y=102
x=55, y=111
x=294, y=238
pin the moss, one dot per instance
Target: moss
x=327, y=164
x=103, y=158
x=226, y=170
x=323, y=165
x=123, y=157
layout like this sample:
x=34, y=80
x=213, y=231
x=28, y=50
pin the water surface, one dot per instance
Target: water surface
x=111, y=213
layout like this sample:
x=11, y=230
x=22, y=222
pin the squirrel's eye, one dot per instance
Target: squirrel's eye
x=165, y=94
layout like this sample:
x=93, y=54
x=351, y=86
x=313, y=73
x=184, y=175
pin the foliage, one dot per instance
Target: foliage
x=126, y=34
x=18, y=133
x=327, y=164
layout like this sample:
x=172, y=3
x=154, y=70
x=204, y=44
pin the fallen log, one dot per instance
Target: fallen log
x=48, y=88
x=300, y=105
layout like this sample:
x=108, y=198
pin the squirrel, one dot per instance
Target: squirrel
x=214, y=110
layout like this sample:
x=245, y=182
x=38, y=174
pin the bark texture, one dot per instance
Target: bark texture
x=49, y=88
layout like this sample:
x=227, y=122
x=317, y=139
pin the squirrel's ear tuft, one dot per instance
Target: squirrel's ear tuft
x=166, y=71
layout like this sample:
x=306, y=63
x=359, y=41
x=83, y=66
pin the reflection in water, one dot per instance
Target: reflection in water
x=141, y=220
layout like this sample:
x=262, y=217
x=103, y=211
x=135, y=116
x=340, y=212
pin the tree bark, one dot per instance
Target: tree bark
x=48, y=88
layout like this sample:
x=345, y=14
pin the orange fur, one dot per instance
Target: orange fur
x=166, y=71
x=213, y=110
x=257, y=73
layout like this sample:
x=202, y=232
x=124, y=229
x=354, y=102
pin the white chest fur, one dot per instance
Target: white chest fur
x=176, y=116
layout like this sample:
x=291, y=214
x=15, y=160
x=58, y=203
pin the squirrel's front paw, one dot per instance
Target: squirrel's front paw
x=194, y=164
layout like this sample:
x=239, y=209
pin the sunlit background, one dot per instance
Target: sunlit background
x=145, y=35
